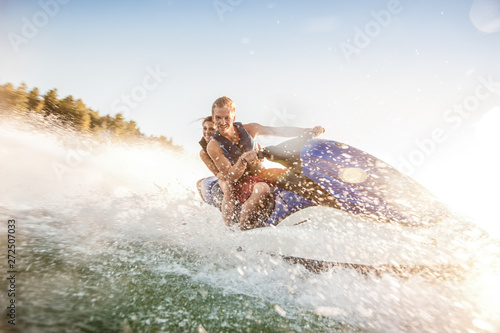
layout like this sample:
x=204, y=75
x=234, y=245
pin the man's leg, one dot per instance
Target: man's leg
x=256, y=201
x=228, y=205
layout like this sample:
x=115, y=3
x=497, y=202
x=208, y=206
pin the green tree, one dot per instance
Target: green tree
x=65, y=111
x=20, y=98
x=35, y=104
x=95, y=120
x=81, y=116
x=7, y=96
x=51, y=103
x=74, y=113
x=132, y=130
x=118, y=125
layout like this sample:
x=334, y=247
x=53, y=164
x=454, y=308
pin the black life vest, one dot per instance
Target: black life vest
x=231, y=150
x=203, y=143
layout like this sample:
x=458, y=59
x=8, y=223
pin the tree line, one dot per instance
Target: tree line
x=73, y=113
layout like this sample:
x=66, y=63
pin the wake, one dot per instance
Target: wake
x=86, y=203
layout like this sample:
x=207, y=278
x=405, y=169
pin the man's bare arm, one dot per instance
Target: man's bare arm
x=229, y=172
x=255, y=129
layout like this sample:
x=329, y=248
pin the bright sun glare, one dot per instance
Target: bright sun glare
x=487, y=129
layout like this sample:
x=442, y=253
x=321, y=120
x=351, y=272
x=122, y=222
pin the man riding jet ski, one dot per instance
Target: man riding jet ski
x=246, y=184
x=319, y=172
x=333, y=174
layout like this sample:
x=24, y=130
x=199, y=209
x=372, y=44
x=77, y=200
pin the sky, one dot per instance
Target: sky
x=416, y=83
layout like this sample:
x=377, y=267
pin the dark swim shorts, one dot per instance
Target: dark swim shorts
x=245, y=186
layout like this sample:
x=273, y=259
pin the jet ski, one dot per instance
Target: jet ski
x=371, y=216
x=359, y=183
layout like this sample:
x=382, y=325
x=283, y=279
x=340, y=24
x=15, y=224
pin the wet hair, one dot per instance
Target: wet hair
x=222, y=102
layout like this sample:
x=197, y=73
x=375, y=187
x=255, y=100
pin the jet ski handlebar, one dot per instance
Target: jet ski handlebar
x=287, y=153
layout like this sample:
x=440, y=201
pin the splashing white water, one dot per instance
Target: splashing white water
x=86, y=197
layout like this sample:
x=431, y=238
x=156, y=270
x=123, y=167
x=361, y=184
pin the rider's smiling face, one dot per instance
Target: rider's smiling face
x=208, y=129
x=223, y=118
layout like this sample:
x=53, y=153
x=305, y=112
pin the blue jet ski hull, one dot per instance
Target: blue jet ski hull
x=361, y=184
